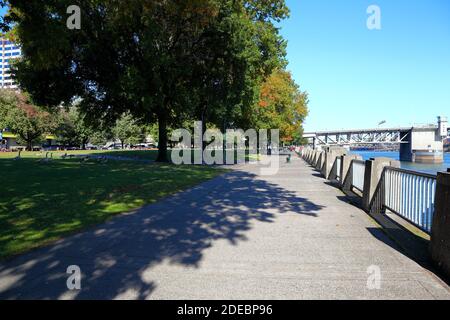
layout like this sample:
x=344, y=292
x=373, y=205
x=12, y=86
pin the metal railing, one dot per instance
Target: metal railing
x=409, y=194
x=358, y=168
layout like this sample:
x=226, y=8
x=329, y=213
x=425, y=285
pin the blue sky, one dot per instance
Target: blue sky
x=357, y=77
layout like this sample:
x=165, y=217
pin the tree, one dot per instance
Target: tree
x=152, y=130
x=100, y=137
x=127, y=130
x=299, y=139
x=73, y=129
x=23, y=118
x=143, y=56
x=8, y=101
x=229, y=66
x=281, y=106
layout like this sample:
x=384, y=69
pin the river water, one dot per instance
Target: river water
x=427, y=168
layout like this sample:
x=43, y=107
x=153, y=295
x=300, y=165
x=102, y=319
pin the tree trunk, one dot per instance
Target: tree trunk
x=203, y=120
x=203, y=134
x=84, y=143
x=162, y=141
x=29, y=145
x=224, y=142
x=121, y=141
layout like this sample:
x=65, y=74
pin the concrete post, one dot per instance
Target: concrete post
x=440, y=235
x=329, y=158
x=316, y=159
x=346, y=177
x=320, y=159
x=313, y=158
x=372, y=176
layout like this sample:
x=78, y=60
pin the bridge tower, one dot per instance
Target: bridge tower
x=424, y=144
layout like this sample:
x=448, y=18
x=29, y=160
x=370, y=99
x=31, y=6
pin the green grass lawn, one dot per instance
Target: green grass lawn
x=140, y=154
x=41, y=202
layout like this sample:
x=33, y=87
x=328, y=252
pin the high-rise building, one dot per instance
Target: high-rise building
x=8, y=51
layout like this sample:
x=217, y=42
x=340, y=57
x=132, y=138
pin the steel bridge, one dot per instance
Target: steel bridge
x=361, y=136
x=422, y=143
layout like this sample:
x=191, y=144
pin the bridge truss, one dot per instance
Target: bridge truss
x=360, y=137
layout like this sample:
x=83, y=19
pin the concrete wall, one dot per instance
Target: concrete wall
x=423, y=146
x=425, y=140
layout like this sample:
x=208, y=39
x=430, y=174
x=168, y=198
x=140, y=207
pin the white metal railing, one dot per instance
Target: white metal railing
x=409, y=194
x=358, y=168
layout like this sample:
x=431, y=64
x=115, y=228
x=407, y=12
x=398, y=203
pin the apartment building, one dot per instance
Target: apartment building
x=8, y=51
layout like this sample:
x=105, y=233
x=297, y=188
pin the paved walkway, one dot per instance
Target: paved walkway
x=239, y=236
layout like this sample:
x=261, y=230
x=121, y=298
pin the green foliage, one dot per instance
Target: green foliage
x=8, y=102
x=160, y=60
x=127, y=130
x=100, y=137
x=72, y=129
x=23, y=118
x=152, y=130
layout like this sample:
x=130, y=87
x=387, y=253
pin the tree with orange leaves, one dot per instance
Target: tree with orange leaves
x=281, y=106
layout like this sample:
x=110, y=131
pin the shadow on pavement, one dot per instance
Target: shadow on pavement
x=116, y=258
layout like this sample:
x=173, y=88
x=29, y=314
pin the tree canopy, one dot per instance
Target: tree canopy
x=72, y=128
x=281, y=105
x=127, y=130
x=20, y=116
x=161, y=61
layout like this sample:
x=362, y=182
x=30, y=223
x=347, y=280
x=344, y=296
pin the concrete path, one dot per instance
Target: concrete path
x=239, y=236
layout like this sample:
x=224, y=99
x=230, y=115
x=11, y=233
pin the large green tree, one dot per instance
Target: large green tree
x=229, y=67
x=127, y=130
x=73, y=129
x=160, y=60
